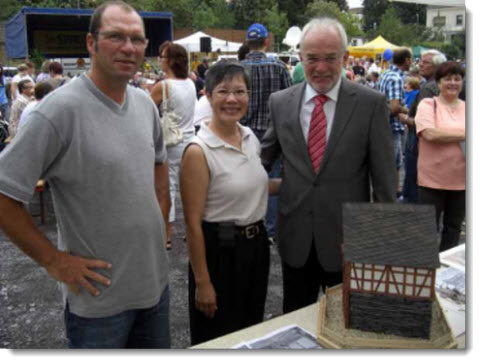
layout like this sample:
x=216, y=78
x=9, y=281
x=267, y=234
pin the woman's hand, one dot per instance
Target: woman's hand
x=206, y=299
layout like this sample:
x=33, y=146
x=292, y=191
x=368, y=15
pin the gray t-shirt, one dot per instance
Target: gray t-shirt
x=98, y=158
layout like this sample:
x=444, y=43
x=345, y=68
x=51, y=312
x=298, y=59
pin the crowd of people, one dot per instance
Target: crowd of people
x=249, y=130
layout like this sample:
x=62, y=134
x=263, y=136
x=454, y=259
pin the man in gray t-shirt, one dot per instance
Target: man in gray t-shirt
x=100, y=146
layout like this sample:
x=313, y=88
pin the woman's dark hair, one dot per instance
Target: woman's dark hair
x=42, y=89
x=447, y=69
x=243, y=51
x=56, y=68
x=225, y=70
x=1, y=75
x=177, y=58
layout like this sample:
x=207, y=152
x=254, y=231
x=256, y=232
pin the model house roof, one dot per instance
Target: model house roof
x=390, y=234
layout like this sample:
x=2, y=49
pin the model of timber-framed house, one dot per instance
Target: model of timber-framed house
x=390, y=257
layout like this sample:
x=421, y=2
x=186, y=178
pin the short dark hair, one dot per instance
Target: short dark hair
x=23, y=84
x=449, y=68
x=256, y=44
x=55, y=67
x=42, y=89
x=400, y=55
x=177, y=58
x=225, y=70
x=96, y=19
x=243, y=51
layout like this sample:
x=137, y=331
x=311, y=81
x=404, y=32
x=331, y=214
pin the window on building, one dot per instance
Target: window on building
x=460, y=19
x=439, y=21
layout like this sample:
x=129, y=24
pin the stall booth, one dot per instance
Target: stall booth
x=61, y=33
x=374, y=49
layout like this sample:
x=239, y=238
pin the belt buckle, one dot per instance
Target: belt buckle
x=251, y=231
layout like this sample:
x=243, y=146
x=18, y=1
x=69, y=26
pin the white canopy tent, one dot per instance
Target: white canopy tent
x=192, y=43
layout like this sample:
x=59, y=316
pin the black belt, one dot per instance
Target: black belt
x=250, y=231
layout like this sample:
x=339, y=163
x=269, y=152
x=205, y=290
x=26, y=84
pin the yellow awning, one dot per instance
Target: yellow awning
x=371, y=49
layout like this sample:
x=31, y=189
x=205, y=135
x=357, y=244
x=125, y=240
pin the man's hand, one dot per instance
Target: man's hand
x=75, y=271
x=206, y=299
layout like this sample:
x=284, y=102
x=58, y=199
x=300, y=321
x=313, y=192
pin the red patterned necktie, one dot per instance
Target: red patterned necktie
x=317, y=133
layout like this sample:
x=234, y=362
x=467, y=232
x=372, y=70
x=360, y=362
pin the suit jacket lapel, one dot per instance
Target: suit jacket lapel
x=343, y=112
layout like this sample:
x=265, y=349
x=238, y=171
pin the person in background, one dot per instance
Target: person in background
x=298, y=74
x=429, y=62
x=20, y=76
x=224, y=192
x=44, y=74
x=243, y=51
x=358, y=69
x=337, y=147
x=31, y=70
x=3, y=95
x=99, y=145
x=40, y=91
x=182, y=97
x=202, y=68
x=392, y=85
x=412, y=86
x=199, y=83
x=26, y=89
x=56, y=75
x=267, y=76
x=374, y=67
x=440, y=125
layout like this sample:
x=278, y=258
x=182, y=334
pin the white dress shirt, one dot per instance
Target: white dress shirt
x=308, y=104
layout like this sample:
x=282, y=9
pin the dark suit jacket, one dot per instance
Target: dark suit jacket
x=359, y=149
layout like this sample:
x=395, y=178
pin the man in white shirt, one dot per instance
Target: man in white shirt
x=20, y=76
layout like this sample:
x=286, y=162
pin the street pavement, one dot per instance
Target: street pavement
x=31, y=310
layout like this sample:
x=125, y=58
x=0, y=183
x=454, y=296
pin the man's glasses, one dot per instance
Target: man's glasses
x=330, y=59
x=138, y=41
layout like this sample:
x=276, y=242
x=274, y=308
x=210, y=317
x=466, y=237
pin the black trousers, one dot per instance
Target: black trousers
x=452, y=204
x=301, y=286
x=239, y=274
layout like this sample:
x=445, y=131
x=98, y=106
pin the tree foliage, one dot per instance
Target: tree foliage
x=373, y=10
x=321, y=8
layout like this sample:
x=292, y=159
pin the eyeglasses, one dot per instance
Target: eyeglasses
x=238, y=94
x=330, y=59
x=138, y=41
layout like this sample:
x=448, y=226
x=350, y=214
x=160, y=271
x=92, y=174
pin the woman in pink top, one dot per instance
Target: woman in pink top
x=440, y=126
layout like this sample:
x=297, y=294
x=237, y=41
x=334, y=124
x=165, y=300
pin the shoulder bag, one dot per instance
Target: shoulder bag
x=171, y=133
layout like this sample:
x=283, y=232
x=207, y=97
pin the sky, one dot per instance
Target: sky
x=354, y=3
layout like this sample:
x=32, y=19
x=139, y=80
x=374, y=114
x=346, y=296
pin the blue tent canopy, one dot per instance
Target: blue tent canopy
x=61, y=32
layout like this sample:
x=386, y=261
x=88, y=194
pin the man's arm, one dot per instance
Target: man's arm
x=64, y=267
x=270, y=147
x=162, y=189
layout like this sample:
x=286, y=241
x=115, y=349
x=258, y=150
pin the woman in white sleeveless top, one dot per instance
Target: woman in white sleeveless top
x=182, y=97
x=224, y=191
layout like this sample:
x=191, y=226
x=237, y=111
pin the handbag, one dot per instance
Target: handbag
x=171, y=133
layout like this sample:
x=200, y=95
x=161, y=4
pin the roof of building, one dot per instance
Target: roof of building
x=390, y=234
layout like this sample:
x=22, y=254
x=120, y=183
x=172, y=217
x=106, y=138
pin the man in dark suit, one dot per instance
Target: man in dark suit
x=337, y=146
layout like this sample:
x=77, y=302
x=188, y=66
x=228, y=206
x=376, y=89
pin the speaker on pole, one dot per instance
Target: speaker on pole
x=205, y=44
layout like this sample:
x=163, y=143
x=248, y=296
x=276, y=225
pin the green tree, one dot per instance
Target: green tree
x=321, y=8
x=250, y=11
x=277, y=23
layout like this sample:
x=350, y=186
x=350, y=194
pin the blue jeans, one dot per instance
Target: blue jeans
x=138, y=329
x=397, y=147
